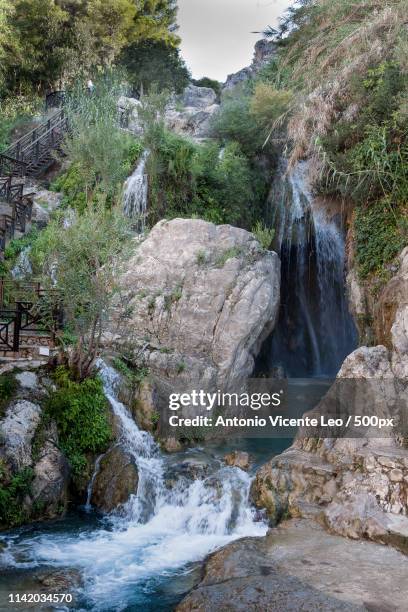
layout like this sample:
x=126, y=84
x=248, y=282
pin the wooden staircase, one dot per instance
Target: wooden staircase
x=29, y=156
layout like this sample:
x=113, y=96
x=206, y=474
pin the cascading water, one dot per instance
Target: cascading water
x=152, y=539
x=136, y=194
x=22, y=267
x=315, y=331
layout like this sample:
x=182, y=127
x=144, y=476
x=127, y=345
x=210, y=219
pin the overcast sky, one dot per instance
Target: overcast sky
x=216, y=34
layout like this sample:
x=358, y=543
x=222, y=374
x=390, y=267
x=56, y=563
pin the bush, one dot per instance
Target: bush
x=218, y=185
x=234, y=121
x=381, y=233
x=12, y=492
x=263, y=234
x=8, y=386
x=81, y=413
x=102, y=155
x=268, y=104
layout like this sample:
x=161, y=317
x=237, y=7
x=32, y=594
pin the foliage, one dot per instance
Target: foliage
x=152, y=64
x=234, y=121
x=186, y=179
x=12, y=492
x=82, y=260
x=380, y=235
x=263, y=234
x=8, y=386
x=80, y=410
x=99, y=164
x=44, y=43
x=15, y=114
x=268, y=104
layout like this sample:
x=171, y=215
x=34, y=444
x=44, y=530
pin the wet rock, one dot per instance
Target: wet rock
x=61, y=581
x=170, y=445
x=237, y=459
x=298, y=566
x=116, y=480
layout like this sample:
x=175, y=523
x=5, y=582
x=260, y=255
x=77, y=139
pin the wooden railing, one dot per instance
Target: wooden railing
x=24, y=310
x=32, y=146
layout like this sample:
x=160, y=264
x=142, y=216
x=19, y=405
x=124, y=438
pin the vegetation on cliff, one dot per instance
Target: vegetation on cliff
x=339, y=85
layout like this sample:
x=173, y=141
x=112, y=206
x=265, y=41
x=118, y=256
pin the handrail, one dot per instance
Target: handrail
x=28, y=137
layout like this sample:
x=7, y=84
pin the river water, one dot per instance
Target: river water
x=147, y=554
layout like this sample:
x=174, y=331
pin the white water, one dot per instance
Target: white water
x=136, y=193
x=157, y=532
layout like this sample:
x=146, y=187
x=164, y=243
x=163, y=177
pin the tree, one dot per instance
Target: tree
x=155, y=63
x=82, y=261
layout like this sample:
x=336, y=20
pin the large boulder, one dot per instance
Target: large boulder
x=298, y=566
x=116, y=480
x=198, y=300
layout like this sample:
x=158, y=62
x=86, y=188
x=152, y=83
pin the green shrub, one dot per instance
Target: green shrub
x=12, y=492
x=263, y=234
x=380, y=234
x=8, y=386
x=81, y=413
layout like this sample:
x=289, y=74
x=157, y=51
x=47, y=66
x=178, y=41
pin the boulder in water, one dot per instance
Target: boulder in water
x=115, y=481
x=237, y=459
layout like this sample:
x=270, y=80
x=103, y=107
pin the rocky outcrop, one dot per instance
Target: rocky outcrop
x=198, y=300
x=191, y=112
x=116, y=480
x=26, y=445
x=264, y=52
x=298, y=566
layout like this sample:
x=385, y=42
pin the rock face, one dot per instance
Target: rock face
x=17, y=432
x=25, y=444
x=264, y=52
x=51, y=476
x=298, y=566
x=115, y=481
x=191, y=112
x=199, y=299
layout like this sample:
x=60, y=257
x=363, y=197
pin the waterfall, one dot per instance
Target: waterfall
x=135, y=195
x=315, y=331
x=168, y=523
x=22, y=267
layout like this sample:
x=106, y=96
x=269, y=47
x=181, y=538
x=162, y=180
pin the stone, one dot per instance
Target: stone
x=198, y=97
x=51, y=477
x=17, y=431
x=200, y=299
x=238, y=459
x=396, y=475
x=129, y=114
x=298, y=566
x=116, y=480
x=28, y=380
